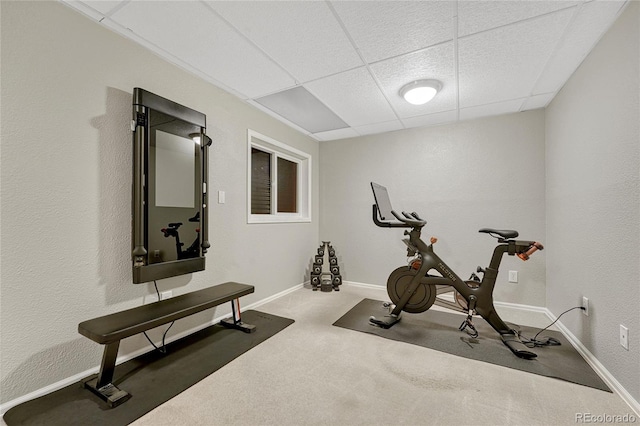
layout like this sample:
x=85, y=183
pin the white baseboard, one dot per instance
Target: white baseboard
x=528, y=308
x=46, y=390
x=275, y=296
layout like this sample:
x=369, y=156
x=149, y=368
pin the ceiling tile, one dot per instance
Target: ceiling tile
x=300, y=36
x=496, y=108
x=302, y=108
x=431, y=119
x=354, y=96
x=192, y=33
x=476, y=16
x=505, y=63
x=277, y=116
x=389, y=28
x=591, y=22
x=433, y=63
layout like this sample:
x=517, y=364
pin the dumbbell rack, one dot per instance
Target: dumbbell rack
x=321, y=278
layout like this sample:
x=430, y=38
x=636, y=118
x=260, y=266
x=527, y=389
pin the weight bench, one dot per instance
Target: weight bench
x=109, y=330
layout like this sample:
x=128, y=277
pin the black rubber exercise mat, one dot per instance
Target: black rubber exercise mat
x=151, y=379
x=439, y=331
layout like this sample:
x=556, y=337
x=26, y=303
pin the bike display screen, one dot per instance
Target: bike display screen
x=382, y=201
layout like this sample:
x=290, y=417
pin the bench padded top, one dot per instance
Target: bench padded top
x=114, y=327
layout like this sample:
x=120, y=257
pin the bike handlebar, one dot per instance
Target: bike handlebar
x=411, y=220
x=532, y=249
x=408, y=220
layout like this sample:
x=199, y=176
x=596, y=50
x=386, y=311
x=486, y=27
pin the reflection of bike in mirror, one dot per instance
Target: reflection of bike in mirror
x=172, y=231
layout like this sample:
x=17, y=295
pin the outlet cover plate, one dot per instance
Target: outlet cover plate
x=624, y=337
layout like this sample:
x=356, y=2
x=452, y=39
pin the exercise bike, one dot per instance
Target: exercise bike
x=415, y=289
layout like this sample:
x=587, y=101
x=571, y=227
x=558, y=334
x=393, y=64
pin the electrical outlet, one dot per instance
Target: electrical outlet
x=585, y=305
x=513, y=276
x=166, y=295
x=624, y=337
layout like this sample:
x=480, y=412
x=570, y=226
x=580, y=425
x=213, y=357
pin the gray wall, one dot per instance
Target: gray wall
x=593, y=199
x=460, y=178
x=66, y=192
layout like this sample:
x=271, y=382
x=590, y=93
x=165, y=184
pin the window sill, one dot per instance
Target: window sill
x=267, y=218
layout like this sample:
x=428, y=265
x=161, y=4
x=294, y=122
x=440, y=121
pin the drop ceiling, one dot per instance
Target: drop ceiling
x=352, y=57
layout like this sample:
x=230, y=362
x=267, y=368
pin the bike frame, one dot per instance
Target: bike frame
x=479, y=298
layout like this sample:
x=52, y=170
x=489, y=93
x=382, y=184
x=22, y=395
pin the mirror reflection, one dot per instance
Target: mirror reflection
x=175, y=168
x=173, y=212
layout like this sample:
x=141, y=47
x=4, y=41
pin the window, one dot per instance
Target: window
x=279, y=181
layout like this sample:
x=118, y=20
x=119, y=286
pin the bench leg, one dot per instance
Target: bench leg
x=101, y=385
x=236, y=321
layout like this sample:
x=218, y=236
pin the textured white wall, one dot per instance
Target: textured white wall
x=460, y=178
x=593, y=199
x=66, y=192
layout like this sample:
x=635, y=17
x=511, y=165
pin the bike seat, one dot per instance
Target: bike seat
x=504, y=233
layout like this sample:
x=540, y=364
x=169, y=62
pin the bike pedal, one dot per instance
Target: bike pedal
x=525, y=354
x=376, y=322
x=384, y=324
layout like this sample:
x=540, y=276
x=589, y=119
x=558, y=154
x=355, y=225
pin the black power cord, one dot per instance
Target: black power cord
x=162, y=349
x=548, y=341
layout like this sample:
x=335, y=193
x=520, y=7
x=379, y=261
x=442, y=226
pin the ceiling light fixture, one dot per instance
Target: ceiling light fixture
x=420, y=92
x=196, y=138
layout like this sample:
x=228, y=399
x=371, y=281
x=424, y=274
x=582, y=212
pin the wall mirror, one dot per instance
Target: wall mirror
x=170, y=170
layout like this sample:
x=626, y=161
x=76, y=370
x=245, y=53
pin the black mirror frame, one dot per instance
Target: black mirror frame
x=144, y=272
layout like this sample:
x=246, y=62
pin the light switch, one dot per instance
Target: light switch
x=221, y=197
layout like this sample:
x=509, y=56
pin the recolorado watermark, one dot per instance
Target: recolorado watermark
x=605, y=418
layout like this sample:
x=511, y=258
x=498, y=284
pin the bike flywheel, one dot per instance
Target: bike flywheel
x=398, y=282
